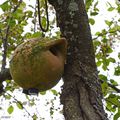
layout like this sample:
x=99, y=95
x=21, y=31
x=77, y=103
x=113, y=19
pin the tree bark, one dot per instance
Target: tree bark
x=81, y=93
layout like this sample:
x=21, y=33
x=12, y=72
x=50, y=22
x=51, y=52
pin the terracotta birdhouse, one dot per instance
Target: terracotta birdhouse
x=38, y=63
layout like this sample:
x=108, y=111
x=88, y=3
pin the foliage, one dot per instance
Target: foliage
x=108, y=60
x=18, y=23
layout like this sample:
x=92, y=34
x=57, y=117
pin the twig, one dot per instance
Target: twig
x=1, y=35
x=17, y=101
x=5, y=75
x=112, y=86
x=35, y=16
x=101, y=34
x=4, y=55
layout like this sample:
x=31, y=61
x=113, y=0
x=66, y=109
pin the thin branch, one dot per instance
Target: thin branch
x=107, y=32
x=35, y=17
x=5, y=75
x=17, y=101
x=1, y=35
x=4, y=55
x=17, y=6
x=112, y=86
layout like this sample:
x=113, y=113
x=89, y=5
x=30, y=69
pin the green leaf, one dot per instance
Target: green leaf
x=10, y=109
x=109, y=49
x=18, y=14
x=19, y=105
x=109, y=23
x=105, y=88
x=15, y=1
x=29, y=13
x=8, y=81
x=44, y=20
x=104, y=40
x=113, y=82
x=54, y=92
x=118, y=9
x=94, y=13
x=98, y=34
x=112, y=30
x=111, y=60
x=88, y=4
x=103, y=77
x=34, y=117
x=99, y=55
x=113, y=101
x=117, y=115
x=106, y=63
x=5, y=6
x=91, y=21
x=8, y=88
x=97, y=43
x=43, y=93
x=36, y=34
x=8, y=97
x=119, y=55
x=117, y=71
x=104, y=31
x=110, y=107
x=22, y=5
x=111, y=9
x=12, y=23
x=98, y=63
x=28, y=35
x=104, y=67
x=95, y=5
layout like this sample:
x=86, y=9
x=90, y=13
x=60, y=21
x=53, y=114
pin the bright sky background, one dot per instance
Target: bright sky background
x=40, y=104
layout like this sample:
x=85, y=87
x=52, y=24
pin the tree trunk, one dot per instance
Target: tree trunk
x=81, y=93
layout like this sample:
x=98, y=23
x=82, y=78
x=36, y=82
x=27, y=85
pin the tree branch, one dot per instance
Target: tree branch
x=1, y=35
x=4, y=55
x=107, y=32
x=51, y=1
x=112, y=86
x=19, y=102
x=5, y=75
x=5, y=39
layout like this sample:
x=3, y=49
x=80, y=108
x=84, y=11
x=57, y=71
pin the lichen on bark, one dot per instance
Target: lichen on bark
x=81, y=93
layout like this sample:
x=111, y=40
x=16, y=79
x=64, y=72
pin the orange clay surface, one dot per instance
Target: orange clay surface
x=38, y=63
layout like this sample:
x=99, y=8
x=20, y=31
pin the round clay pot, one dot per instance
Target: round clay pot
x=38, y=63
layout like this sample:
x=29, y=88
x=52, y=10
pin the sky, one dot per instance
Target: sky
x=41, y=103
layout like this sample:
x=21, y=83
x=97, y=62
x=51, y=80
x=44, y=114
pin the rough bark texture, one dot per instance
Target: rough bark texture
x=81, y=93
x=4, y=75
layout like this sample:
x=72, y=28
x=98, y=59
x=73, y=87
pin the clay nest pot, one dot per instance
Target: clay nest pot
x=38, y=63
